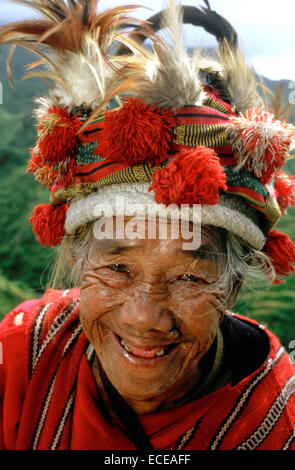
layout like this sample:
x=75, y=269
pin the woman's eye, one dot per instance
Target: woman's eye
x=121, y=268
x=188, y=277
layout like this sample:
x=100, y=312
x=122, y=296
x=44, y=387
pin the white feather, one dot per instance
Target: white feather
x=239, y=79
x=172, y=80
x=85, y=84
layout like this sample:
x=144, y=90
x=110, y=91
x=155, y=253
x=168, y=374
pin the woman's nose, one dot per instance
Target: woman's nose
x=145, y=313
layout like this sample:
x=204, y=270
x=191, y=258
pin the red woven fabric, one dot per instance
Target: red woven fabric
x=49, y=397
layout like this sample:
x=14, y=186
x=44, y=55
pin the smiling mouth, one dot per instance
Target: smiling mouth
x=147, y=352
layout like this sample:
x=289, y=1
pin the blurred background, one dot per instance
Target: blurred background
x=267, y=36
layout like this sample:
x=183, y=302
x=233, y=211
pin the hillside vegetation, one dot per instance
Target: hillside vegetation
x=25, y=265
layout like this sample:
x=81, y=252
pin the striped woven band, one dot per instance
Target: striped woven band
x=231, y=213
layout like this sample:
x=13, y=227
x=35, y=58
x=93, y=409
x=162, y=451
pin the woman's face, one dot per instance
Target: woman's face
x=146, y=309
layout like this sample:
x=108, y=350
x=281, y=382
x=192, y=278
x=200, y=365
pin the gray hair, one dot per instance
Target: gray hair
x=242, y=264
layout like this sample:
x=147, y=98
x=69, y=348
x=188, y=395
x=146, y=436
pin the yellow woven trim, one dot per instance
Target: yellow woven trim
x=270, y=207
x=135, y=174
x=216, y=105
x=272, y=210
x=208, y=135
x=249, y=198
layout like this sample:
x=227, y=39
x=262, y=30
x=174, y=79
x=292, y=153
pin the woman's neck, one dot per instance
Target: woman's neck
x=162, y=402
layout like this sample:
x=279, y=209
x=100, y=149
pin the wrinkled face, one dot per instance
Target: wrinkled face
x=146, y=308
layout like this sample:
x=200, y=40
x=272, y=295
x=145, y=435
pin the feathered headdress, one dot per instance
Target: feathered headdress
x=74, y=43
x=191, y=127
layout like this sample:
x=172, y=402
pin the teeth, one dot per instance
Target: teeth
x=160, y=353
x=125, y=346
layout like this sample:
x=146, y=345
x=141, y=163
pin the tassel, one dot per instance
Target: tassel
x=43, y=173
x=194, y=176
x=58, y=135
x=281, y=250
x=136, y=133
x=48, y=223
x=261, y=143
x=284, y=187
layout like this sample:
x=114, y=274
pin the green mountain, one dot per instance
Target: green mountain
x=25, y=265
x=23, y=261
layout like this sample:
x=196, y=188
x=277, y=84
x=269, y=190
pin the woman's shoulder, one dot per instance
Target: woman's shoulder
x=34, y=327
x=252, y=348
x=22, y=317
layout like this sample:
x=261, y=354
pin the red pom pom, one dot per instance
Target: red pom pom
x=57, y=135
x=48, y=223
x=136, y=133
x=281, y=250
x=261, y=143
x=284, y=190
x=194, y=176
x=43, y=173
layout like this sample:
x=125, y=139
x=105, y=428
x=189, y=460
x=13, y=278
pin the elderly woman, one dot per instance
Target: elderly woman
x=163, y=205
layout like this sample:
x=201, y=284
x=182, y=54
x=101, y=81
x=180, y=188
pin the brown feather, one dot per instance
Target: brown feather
x=9, y=67
x=35, y=64
x=128, y=84
x=280, y=111
x=64, y=27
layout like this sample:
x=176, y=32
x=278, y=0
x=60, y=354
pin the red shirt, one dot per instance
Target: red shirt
x=49, y=398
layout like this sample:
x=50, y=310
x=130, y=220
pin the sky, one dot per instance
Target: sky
x=266, y=29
